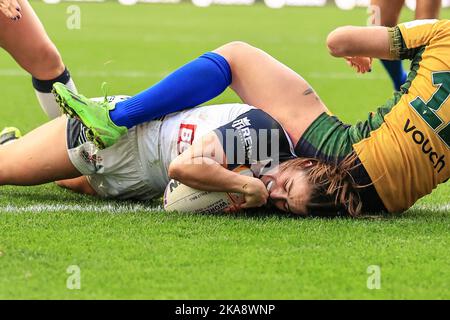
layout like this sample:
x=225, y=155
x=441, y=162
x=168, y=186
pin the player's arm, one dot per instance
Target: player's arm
x=350, y=41
x=203, y=166
x=400, y=42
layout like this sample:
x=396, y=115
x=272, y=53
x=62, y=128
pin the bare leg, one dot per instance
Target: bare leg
x=389, y=13
x=28, y=43
x=80, y=185
x=389, y=10
x=39, y=157
x=428, y=9
x=266, y=83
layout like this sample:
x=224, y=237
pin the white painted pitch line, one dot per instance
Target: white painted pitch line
x=445, y=208
x=42, y=208
x=92, y=74
x=13, y=73
x=134, y=208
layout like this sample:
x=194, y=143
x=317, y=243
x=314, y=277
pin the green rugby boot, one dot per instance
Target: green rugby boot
x=9, y=134
x=94, y=115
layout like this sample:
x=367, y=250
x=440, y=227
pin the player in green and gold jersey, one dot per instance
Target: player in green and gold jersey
x=405, y=146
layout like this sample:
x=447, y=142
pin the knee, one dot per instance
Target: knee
x=232, y=51
x=47, y=64
x=237, y=45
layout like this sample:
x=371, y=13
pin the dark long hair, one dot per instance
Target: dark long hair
x=334, y=191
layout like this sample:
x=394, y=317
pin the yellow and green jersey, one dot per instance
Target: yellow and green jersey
x=404, y=147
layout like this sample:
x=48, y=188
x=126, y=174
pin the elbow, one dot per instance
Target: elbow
x=175, y=171
x=337, y=42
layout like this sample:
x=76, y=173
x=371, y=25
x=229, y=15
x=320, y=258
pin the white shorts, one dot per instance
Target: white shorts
x=116, y=172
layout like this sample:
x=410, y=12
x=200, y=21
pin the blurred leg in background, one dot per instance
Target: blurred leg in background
x=389, y=11
x=28, y=43
x=428, y=9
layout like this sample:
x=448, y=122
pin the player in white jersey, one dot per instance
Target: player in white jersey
x=137, y=167
x=140, y=164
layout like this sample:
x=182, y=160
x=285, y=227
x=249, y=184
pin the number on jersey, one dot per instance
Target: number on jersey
x=429, y=110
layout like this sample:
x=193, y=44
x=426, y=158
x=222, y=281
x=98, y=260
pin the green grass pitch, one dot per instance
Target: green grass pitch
x=134, y=250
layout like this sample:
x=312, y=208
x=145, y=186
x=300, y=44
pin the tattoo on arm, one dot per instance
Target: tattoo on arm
x=308, y=91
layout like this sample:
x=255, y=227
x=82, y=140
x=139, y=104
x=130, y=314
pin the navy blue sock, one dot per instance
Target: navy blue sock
x=396, y=72
x=194, y=83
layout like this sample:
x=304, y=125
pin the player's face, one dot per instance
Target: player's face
x=288, y=190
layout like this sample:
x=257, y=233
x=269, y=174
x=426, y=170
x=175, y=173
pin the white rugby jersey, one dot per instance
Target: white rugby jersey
x=137, y=165
x=177, y=131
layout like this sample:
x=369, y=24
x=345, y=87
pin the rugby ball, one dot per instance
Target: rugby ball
x=179, y=197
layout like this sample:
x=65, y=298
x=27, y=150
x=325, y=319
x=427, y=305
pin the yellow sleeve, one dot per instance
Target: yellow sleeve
x=408, y=36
